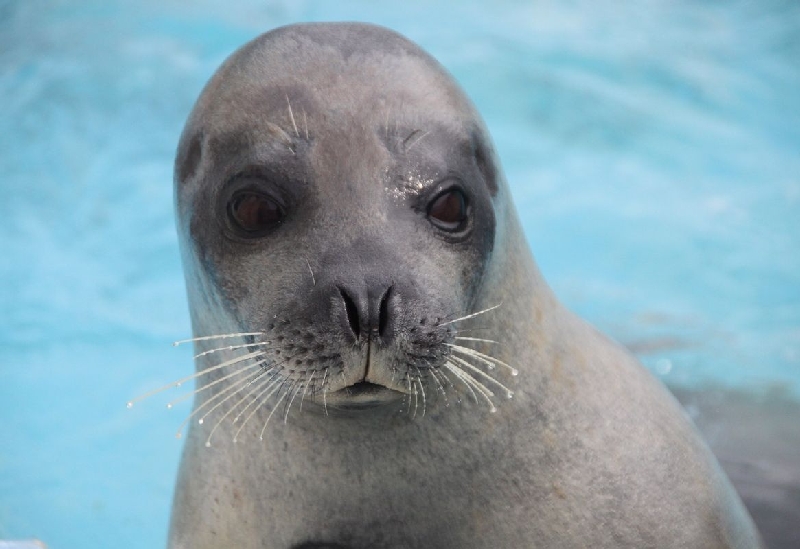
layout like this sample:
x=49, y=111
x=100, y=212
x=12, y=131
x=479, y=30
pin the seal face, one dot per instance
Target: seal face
x=309, y=210
x=349, y=243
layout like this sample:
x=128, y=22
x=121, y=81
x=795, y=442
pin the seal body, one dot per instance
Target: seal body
x=341, y=209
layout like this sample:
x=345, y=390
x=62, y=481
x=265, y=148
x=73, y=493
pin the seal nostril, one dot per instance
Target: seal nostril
x=352, y=313
x=383, y=312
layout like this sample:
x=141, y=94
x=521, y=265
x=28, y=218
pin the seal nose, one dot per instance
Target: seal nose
x=367, y=314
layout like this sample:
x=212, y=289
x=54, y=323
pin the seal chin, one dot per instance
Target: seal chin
x=363, y=395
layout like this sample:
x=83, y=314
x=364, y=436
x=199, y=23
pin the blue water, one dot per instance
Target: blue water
x=653, y=148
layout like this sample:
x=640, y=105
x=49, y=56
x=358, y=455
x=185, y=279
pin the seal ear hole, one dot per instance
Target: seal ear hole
x=190, y=162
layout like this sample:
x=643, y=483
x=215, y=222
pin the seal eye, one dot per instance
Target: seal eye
x=448, y=211
x=254, y=213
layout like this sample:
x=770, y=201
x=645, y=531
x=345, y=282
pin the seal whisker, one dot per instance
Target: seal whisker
x=232, y=348
x=325, y=391
x=489, y=360
x=440, y=387
x=462, y=362
x=472, y=382
x=413, y=138
x=305, y=388
x=216, y=336
x=264, y=428
x=230, y=362
x=473, y=315
x=291, y=115
x=181, y=398
x=305, y=123
x=468, y=330
x=478, y=339
x=313, y=280
x=272, y=385
x=271, y=374
x=203, y=372
x=469, y=377
x=407, y=397
x=449, y=381
x=395, y=118
x=291, y=401
x=239, y=386
x=456, y=371
x=233, y=386
x=282, y=135
x=421, y=388
x=424, y=398
x=232, y=408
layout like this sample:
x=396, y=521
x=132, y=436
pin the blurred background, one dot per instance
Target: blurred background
x=653, y=149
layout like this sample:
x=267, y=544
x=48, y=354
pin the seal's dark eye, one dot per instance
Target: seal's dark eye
x=254, y=213
x=448, y=211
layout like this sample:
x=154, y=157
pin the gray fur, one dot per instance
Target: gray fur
x=356, y=126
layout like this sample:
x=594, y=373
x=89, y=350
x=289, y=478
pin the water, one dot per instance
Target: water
x=653, y=149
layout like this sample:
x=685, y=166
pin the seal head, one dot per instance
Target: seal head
x=322, y=204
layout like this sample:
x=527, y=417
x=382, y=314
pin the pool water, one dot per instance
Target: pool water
x=653, y=149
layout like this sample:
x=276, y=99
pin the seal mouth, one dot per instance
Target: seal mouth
x=363, y=388
x=364, y=395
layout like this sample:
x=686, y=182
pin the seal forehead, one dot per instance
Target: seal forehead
x=340, y=69
x=347, y=39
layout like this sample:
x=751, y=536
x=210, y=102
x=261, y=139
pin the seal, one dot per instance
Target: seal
x=362, y=296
